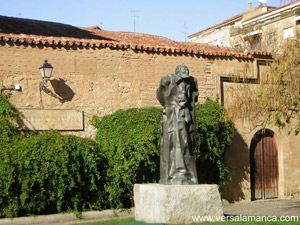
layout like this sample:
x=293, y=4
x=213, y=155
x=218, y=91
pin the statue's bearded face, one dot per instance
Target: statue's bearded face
x=182, y=71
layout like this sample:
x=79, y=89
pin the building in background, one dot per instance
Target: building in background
x=265, y=172
x=263, y=27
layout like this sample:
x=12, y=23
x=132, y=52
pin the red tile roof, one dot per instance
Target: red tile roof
x=47, y=33
x=239, y=16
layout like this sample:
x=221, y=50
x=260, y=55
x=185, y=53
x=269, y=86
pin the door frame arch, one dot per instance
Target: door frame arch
x=257, y=138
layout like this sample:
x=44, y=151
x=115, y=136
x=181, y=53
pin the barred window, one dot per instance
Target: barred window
x=272, y=38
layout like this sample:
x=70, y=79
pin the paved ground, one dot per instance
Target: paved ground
x=290, y=207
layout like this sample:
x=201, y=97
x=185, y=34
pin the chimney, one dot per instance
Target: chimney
x=264, y=8
x=249, y=6
x=263, y=5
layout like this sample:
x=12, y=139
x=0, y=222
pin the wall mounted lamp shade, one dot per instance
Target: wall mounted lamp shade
x=46, y=70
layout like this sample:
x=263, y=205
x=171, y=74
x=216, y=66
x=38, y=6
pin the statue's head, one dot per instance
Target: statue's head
x=182, y=71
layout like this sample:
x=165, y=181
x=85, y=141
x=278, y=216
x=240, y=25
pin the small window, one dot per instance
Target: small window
x=238, y=46
x=272, y=38
x=221, y=42
x=288, y=33
x=297, y=20
x=214, y=42
x=255, y=42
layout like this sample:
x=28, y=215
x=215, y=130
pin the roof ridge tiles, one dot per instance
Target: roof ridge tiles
x=125, y=40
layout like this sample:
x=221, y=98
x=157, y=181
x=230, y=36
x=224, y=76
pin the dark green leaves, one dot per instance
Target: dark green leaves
x=213, y=136
x=130, y=141
x=49, y=172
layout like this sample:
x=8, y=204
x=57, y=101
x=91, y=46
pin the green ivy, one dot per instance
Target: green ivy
x=50, y=173
x=213, y=136
x=47, y=172
x=130, y=140
x=9, y=134
x=8, y=123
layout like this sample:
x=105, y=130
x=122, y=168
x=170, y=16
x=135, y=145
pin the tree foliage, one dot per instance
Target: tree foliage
x=275, y=100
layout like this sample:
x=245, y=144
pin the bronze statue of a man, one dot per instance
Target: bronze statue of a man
x=177, y=93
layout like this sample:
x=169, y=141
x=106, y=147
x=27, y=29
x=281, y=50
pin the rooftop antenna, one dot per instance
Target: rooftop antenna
x=185, y=31
x=134, y=18
x=285, y=2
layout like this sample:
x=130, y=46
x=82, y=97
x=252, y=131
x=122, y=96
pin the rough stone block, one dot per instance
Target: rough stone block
x=57, y=119
x=155, y=203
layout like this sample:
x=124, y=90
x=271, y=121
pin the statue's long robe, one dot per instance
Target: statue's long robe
x=178, y=96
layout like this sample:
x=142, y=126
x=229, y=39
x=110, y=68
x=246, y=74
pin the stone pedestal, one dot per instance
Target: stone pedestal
x=156, y=203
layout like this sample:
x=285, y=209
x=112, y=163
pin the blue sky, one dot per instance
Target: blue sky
x=166, y=18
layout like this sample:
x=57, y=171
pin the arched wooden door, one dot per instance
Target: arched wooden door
x=264, y=166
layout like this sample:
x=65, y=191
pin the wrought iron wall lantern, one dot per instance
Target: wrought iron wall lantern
x=46, y=70
x=46, y=74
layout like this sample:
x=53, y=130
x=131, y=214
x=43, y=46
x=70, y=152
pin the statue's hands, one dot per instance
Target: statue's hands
x=165, y=81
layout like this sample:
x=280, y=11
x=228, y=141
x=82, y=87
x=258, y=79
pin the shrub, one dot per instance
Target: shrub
x=9, y=134
x=130, y=140
x=50, y=173
x=8, y=122
x=213, y=136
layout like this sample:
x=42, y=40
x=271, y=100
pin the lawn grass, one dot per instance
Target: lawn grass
x=110, y=222
x=132, y=221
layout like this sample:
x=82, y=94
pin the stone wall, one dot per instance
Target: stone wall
x=238, y=156
x=100, y=81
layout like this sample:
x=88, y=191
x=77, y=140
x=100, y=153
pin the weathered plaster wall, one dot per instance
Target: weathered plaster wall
x=218, y=37
x=278, y=27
